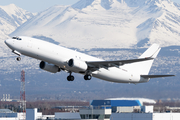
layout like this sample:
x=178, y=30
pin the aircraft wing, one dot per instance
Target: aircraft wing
x=106, y=64
x=156, y=76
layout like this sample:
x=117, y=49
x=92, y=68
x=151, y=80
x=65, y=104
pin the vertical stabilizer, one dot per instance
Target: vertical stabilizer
x=144, y=67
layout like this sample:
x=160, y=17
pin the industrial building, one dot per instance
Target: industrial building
x=145, y=116
x=6, y=114
x=33, y=114
x=6, y=97
x=109, y=109
x=93, y=113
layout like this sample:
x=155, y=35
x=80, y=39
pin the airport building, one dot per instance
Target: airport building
x=109, y=109
x=6, y=114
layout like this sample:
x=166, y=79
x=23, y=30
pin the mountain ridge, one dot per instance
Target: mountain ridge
x=11, y=17
x=119, y=23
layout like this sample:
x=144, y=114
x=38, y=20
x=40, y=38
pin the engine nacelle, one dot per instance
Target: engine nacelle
x=49, y=67
x=78, y=65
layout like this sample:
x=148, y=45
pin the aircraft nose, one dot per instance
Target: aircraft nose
x=8, y=42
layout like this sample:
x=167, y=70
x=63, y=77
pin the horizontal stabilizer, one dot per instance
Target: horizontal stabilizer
x=156, y=76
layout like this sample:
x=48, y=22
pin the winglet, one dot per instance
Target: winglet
x=152, y=51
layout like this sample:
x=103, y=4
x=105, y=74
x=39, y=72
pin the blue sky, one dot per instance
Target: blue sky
x=37, y=5
x=40, y=5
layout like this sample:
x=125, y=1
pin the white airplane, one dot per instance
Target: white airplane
x=55, y=58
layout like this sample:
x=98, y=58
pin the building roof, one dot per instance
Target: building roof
x=5, y=111
x=114, y=103
x=142, y=100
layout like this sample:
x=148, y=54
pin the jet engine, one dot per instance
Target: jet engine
x=78, y=65
x=49, y=67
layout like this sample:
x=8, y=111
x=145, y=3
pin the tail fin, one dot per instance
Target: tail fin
x=144, y=67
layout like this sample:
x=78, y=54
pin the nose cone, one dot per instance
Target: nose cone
x=8, y=42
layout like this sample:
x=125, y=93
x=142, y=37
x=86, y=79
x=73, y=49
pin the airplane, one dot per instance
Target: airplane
x=55, y=58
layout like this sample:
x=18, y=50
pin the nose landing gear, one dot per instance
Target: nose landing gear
x=17, y=53
x=18, y=58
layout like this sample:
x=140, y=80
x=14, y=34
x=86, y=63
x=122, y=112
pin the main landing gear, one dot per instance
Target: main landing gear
x=70, y=77
x=87, y=77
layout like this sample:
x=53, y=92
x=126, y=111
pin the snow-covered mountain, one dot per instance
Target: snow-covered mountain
x=108, y=24
x=11, y=17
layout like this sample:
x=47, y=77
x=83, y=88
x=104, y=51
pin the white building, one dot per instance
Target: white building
x=103, y=114
x=6, y=114
x=33, y=114
x=145, y=116
x=113, y=109
x=67, y=116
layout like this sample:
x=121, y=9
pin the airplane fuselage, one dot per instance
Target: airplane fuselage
x=60, y=56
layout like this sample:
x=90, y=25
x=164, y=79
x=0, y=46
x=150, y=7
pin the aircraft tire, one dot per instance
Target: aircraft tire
x=18, y=58
x=87, y=77
x=70, y=78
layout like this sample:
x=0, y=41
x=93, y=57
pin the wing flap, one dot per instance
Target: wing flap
x=156, y=76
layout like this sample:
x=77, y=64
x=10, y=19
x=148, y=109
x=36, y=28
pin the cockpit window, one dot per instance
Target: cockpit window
x=17, y=38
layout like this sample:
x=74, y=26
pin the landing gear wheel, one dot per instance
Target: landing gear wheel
x=87, y=77
x=18, y=58
x=70, y=78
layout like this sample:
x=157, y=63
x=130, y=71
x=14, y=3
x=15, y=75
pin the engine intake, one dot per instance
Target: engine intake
x=77, y=65
x=49, y=67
